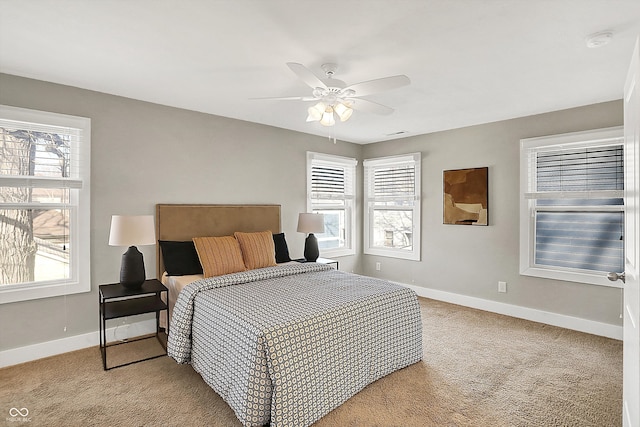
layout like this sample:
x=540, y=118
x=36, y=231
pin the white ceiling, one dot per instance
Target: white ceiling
x=469, y=61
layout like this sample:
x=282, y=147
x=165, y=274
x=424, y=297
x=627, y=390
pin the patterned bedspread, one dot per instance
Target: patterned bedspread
x=288, y=344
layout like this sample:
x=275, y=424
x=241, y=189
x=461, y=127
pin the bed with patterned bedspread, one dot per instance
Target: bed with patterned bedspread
x=286, y=345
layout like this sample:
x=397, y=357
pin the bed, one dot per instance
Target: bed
x=283, y=344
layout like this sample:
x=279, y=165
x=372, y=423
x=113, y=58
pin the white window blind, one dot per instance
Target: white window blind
x=331, y=180
x=588, y=172
x=46, y=157
x=44, y=204
x=331, y=192
x=572, y=213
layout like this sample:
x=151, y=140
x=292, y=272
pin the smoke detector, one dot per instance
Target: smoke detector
x=598, y=39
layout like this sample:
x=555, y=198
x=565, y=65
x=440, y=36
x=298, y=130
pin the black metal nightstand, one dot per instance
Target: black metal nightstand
x=117, y=301
x=320, y=261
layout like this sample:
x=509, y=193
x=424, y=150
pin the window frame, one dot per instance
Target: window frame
x=592, y=138
x=371, y=205
x=79, y=187
x=349, y=198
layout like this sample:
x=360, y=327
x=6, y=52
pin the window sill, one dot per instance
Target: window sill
x=599, y=279
x=336, y=253
x=391, y=253
x=16, y=293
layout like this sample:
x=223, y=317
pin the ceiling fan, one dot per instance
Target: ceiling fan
x=333, y=96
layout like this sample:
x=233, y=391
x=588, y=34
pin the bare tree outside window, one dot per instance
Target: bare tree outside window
x=28, y=232
x=393, y=229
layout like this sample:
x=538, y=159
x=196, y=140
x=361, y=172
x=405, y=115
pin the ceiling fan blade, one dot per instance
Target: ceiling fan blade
x=379, y=85
x=305, y=75
x=287, y=98
x=370, y=106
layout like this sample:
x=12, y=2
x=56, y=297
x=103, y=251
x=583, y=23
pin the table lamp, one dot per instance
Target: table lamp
x=132, y=230
x=311, y=223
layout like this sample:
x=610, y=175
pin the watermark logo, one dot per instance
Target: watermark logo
x=19, y=415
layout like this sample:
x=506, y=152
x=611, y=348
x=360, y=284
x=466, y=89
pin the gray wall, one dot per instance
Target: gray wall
x=143, y=154
x=471, y=260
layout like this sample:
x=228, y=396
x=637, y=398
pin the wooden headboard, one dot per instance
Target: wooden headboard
x=184, y=222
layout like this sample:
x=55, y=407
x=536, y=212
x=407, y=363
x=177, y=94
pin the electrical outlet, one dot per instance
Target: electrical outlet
x=377, y=266
x=502, y=286
x=125, y=331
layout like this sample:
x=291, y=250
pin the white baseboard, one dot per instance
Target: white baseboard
x=28, y=353
x=554, y=319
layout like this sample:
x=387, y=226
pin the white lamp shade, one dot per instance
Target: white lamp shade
x=327, y=117
x=310, y=223
x=315, y=112
x=132, y=230
x=343, y=111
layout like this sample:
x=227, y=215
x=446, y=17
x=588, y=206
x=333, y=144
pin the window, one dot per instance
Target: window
x=392, y=202
x=571, y=212
x=331, y=192
x=44, y=204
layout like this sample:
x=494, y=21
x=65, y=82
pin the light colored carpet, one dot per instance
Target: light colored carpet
x=479, y=369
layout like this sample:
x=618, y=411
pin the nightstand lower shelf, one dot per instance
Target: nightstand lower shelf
x=117, y=301
x=161, y=337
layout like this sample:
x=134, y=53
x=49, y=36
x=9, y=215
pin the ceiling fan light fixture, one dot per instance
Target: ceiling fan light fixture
x=316, y=112
x=335, y=96
x=343, y=111
x=327, y=117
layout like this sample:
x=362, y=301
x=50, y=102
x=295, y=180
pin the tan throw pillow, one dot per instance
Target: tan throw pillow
x=219, y=255
x=258, y=249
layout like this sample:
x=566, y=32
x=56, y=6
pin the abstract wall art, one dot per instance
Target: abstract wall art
x=466, y=198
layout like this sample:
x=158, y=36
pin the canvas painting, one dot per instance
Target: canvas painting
x=466, y=198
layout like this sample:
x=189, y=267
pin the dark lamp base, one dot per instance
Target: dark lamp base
x=311, y=251
x=132, y=274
